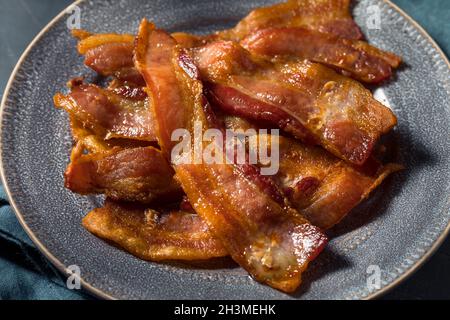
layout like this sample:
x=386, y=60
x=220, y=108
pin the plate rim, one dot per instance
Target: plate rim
x=103, y=295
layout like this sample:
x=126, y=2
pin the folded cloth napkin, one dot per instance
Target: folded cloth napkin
x=25, y=272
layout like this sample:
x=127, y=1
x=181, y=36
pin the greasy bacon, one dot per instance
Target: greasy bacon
x=151, y=235
x=92, y=41
x=318, y=184
x=318, y=30
x=274, y=244
x=110, y=113
x=109, y=55
x=357, y=58
x=112, y=54
x=138, y=174
x=328, y=16
x=85, y=138
x=273, y=70
x=321, y=186
x=308, y=100
x=187, y=40
x=336, y=188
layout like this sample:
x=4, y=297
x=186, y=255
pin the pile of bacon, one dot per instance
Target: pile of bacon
x=296, y=66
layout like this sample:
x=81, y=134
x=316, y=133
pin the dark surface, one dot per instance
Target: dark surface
x=21, y=20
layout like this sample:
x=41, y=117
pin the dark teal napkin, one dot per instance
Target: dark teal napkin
x=433, y=16
x=26, y=273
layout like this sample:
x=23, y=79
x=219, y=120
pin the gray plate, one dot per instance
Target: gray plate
x=396, y=230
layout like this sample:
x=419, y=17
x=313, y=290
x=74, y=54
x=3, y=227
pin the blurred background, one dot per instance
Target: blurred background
x=26, y=274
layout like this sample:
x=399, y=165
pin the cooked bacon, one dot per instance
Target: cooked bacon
x=324, y=188
x=334, y=188
x=308, y=100
x=135, y=93
x=359, y=59
x=187, y=40
x=86, y=139
x=95, y=40
x=318, y=184
x=274, y=244
x=151, y=235
x=138, y=174
x=235, y=123
x=329, y=16
x=80, y=34
x=318, y=30
x=116, y=113
x=237, y=103
x=109, y=55
x=108, y=58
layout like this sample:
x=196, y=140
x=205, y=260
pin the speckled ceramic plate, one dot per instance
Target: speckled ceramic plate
x=397, y=229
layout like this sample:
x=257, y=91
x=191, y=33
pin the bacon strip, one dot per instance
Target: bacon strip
x=324, y=188
x=109, y=55
x=86, y=139
x=318, y=184
x=151, y=235
x=138, y=174
x=328, y=16
x=335, y=189
x=306, y=99
x=112, y=54
x=357, y=58
x=319, y=30
x=272, y=243
x=187, y=40
x=116, y=113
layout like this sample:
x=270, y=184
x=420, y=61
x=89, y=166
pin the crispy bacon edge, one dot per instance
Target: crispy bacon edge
x=356, y=58
x=136, y=174
x=305, y=99
x=117, y=112
x=151, y=235
x=328, y=16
